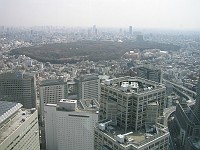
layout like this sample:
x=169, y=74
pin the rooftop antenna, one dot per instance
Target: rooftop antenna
x=92, y=103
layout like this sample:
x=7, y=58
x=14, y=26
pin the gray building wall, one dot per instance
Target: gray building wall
x=18, y=87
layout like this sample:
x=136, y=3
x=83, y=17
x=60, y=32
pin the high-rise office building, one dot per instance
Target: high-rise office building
x=69, y=125
x=188, y=120
x=125, y=101
x=129, y=109
x=188, y=124
x=18, y=87
x=88, y=86
x=18, y=127
x=51, y=92
x=150, y=72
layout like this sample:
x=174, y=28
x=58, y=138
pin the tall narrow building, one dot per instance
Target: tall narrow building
x=69, y=125
x=18, y=87
x=130, y=30
x=51, y=92
x=18, y=127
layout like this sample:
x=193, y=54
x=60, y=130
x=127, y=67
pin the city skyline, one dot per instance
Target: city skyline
x=63, y=62
x=181, y=15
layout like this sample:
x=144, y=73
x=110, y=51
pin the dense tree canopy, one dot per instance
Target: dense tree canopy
x=91, y=50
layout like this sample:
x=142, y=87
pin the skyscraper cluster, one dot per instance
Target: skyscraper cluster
x=120, y=113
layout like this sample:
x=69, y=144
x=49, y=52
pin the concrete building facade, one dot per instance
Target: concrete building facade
x=150, y=72
x=129, y=109
x=51, y=92
x=70, y=124
x=126, y=100
x=18, y=87
x=88, y=86
x=18, y=127
x=188, y=120
x=109, y=137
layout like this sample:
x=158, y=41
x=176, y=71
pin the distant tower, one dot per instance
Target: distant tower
x=120, y=30
x=130, y=30
x=197, y=104
x=94, y=27
x=89, y=32
x=94, y=30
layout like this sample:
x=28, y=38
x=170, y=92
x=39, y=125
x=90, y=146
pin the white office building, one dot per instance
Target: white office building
x=69, y=125
x=18, y=127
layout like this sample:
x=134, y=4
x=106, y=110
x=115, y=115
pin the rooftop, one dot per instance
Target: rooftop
x=131, y=85
x=133, y=138
x=88, y=77
x=51, y=82
x=16, y=75
x=7, y=109
x=9, y=127
x=90, y=105
x=150, y=67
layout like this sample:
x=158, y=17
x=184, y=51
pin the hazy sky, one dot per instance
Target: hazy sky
x=175, y=14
